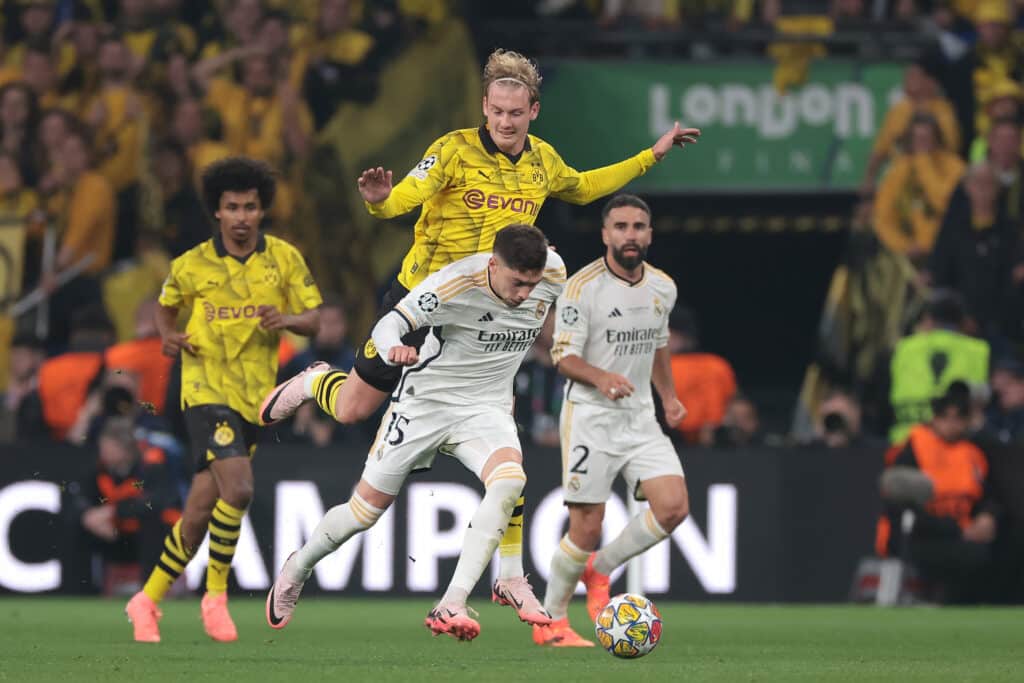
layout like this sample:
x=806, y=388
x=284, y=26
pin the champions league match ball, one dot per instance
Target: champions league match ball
x=629, y=626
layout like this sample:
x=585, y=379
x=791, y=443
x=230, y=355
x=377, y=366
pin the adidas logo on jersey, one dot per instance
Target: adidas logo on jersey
x=485, y=318
x=616, y=313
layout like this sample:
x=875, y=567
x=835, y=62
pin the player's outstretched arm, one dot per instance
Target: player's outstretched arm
x=570, y=185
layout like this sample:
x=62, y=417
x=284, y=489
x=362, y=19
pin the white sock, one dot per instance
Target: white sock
x=567, y=565
x=642, y=532
x=307, y=382
x=341, y=523
x=504, y=487
x=510, y=566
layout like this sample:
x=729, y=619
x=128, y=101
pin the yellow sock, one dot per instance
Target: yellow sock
x=225, y=528
x=326, y=388
x=510, y=549
x=170, y=565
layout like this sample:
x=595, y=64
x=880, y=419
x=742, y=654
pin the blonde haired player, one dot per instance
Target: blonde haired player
x=611, y=336
x=482, y=314
x=470, y=183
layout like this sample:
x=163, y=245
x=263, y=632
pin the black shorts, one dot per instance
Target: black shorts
x=371, y=368
x=216, y=432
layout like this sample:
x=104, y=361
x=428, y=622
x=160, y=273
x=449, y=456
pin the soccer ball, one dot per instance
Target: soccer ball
x=629, y=626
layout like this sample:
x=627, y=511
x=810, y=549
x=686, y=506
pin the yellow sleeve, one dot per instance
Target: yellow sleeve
x=302, y=292
x=176, y=292
x=422, y=182
x=570, y=185
x=893, y=125
x=948, y=124
x=90, y=223
x=887, y=213
x=938, y=175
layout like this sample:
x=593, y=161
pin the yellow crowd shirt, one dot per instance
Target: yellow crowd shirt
x=469, y=190
x=235, y=363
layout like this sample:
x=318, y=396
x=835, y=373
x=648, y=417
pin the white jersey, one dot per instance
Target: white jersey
x=476, y=341
x=615, y=326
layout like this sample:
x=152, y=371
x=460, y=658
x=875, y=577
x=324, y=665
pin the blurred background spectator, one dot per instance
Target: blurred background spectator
x=941, y=478
x=125, y=507
x=705, y=382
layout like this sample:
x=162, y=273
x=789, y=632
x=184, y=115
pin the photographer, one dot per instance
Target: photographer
x=124, y=507
x=839, y=423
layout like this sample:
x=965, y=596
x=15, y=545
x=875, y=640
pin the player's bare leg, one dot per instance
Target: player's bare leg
x=357, y=400
x=503, y=478
x=341, y=522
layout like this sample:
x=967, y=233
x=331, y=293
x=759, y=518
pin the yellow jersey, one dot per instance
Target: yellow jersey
x=469, y=190
x=235, y=363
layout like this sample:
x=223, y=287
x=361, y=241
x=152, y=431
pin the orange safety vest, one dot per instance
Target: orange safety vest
x=63, y=387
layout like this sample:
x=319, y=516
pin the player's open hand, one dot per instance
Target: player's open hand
x=271, y=318
x=615, y=386
x=403, y=355
x=176, y=342
x=675, y=411
x=375, y=185
x=677, y=137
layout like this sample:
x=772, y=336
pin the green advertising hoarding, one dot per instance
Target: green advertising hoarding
x=816, y=137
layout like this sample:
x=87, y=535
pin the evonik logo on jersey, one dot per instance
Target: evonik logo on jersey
x=477, y=199
x=229, y=312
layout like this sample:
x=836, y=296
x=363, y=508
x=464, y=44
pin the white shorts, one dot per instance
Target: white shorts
x=413, y=432
x=599, y=444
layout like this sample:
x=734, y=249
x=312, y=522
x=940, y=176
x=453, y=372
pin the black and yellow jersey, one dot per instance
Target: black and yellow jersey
x=235, y=363
x=469, y=190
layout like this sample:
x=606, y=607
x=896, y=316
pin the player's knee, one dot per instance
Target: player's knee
x=237, y=493
x=507, y=481
x=351, y=412
x=672, y=515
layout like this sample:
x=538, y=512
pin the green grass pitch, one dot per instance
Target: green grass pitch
x=58, y=639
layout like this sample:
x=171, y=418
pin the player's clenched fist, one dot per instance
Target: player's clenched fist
x=675, y=411
x=403, y=355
